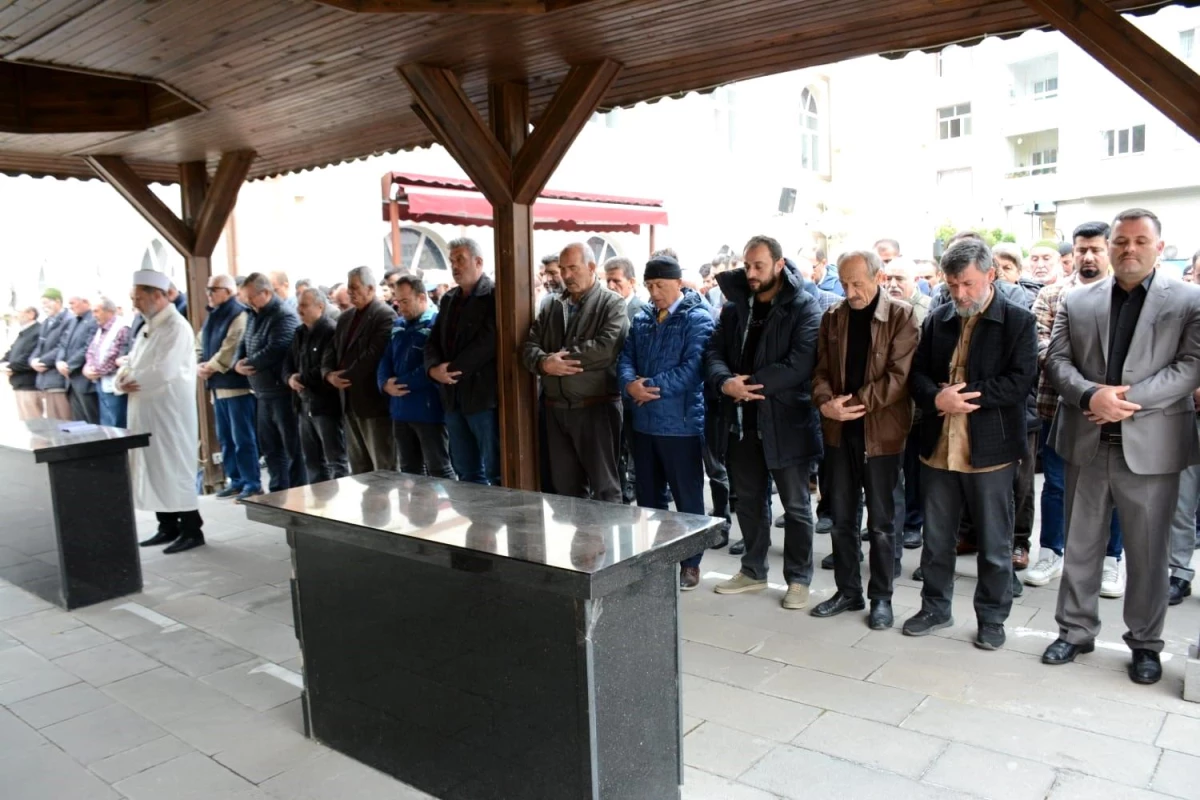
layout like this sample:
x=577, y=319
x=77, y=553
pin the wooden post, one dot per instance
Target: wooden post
x=510, y=169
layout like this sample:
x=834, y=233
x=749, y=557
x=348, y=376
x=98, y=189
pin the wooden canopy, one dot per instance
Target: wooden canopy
x=306, y=83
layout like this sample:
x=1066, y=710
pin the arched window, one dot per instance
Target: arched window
x=602, y=249
x=810, y=132
x=420, y=248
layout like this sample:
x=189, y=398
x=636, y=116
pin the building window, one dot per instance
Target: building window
x=419, y=249
x=1187, y=44
x=602, y=249
x=1045, y=89
x=954, y=122
x=810, y=132
x=1124, y=141
x=1044, y=162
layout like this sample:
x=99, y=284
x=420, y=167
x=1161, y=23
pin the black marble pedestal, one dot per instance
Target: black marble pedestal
x=67, y=530
x=487, y=644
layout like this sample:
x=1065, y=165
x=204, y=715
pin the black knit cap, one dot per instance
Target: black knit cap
x=663, y=267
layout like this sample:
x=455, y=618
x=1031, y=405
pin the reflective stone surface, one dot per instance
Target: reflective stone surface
x=581, y=548
x=48, y=442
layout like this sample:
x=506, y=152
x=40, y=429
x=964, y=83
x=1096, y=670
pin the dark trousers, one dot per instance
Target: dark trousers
x=85, y=406
x=748, y=470
x=625, y=465
x=851, y=474
x=584, y=443
x=914, y=508
x=180, y=523
x=114, y=409
x=674, y=461
x=475, y=446
x=718, y=483
x=1023, y=495
x=323, y=439
x=279, y=438
x=236, y=431
x=988, y=498
x=424, y=448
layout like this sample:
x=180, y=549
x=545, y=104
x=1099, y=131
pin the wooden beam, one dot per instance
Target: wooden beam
x=220, y=199
x=508, y=113
x=1125, y=50
x=439, y=6
x=121, y=177
x=570, y=109
x=454, y=120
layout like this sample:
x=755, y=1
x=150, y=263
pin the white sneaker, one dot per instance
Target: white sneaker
x=1112, y=582
x=1048, y=567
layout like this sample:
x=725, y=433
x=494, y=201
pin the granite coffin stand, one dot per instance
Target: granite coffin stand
x=67, y=530
x=482, y=643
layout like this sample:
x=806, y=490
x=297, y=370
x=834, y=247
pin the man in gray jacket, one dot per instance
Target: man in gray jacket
x=573, y=346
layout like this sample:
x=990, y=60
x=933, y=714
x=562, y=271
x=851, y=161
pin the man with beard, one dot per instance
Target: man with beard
x=1091, y=258
x=1045, y=265
x=974, y=367
x=760, y=361
x=1066, y=257
x=1124, y=347
x=552, y=280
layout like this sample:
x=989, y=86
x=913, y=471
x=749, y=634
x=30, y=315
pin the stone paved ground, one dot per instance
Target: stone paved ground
x=189, y=690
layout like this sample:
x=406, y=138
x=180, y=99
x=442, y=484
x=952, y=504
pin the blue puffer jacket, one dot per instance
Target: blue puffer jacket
x=671, y=355
x=404, y=360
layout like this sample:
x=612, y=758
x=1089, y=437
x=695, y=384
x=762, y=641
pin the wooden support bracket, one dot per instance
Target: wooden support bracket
x=220, y=198
x=121, y=177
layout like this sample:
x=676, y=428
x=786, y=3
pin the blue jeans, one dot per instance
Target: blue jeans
x=1053, y=501
x=239, y=442
x=475, y=446
x=674, y=461
x=279, y=437
x=113, y=409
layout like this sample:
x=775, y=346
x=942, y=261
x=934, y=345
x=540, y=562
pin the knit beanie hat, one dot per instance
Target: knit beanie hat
x=663, y=267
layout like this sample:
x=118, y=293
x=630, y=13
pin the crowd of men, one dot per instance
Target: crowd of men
x=915, y=400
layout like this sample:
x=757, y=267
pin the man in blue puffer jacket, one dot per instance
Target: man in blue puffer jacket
x=660, y=370
x=418, y=422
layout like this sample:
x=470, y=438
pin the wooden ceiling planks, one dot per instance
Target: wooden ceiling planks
x=305, y=84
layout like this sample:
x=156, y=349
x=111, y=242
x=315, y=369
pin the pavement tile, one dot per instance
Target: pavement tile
x=333, y=776
x=1178, y=775
x=1181, y=734
x=721, y=632
x=191, y=775
x=16, y=735
x=107, y=663
x=750, y=712
x=103, y=733
x=833, y=692
x=16, y=602
x=723, y=751
x=201, y=611
x=800, y=774
x=872, y=744
x=131, y=762
x=850, y=662
x=289, y=715
x=223, y=724
x=164, y=695
x=1073, y=786
x=699, y=785
x=53, y=638
x=261, y=691
x=47, y=773
x=190, y=651
x=725, y=666
x=1118, y=760
x=267, y=754
x=61, y=704
x=261, y=636
x=992, y=776
x=25, y=674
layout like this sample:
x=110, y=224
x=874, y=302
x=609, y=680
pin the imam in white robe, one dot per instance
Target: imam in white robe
x=162, y=361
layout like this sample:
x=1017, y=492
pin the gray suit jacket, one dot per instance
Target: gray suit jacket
x=634, y=305
x=1162, y=369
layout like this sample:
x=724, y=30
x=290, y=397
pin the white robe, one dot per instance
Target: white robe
x=162, y=361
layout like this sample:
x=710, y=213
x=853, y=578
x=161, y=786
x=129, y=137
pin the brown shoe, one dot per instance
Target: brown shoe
x=1020, y=558
x=966, y=548
x=689, y=578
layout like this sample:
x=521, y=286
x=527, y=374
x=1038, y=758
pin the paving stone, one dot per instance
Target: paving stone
x=690, y=724
x=25, y=674
x=750, y=712
x=16, y=602
x=46, y=772
x=117, y=622
x=1180, y=734
x=190, y=651
x=131, y=762
x=262, y=637
x=872, y=744
x=855, y=698
x=800, y=774
x=164, y=695
x=850, y=662
x=723, y=751
x=223, y=724
x=54, y=633
x=990, y=775
x=289, y=715
x=254, y=599
x=103, y=733
x=725, y=666
x=59, y=705
x=699, y=785
x=1178, y=775
x=333, y=776
x=201, y=611
x=191, y=775
x=1073, y=786
x=260, y=690
x=107, y=663
x=1119, y=760
x=202, y=577
x=268, y=754
x=721, y=632
x=16, y=735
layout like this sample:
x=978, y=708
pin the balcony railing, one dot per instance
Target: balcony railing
x=1026, y=172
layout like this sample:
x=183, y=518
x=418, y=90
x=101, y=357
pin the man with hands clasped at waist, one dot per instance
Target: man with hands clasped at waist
x=1124, y=357
x=864, y=354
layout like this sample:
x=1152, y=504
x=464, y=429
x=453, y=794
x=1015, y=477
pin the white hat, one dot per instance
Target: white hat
x=152, y=278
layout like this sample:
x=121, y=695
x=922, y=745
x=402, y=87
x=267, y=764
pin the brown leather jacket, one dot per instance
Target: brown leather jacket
x=894, y=336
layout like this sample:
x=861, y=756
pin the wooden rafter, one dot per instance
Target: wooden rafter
x=220, y=198
x=121, y=177
x=1125, y=50
x=452, y=6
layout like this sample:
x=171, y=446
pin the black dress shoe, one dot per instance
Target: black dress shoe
x=1018, y=586
x=912, y=540
x=881, y=615
x=737, y=548
x=184, y=543
x=781, y=521
x=839, y=603
x=724, y=540
x=824, y=525
x=990, y=636
x=1179, y=590
x=918, y=575
x=1063, y=652
x=1145, y=667
x=162, y=537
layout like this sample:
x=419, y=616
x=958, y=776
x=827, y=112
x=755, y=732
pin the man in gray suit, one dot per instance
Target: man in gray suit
x=1124, y=357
